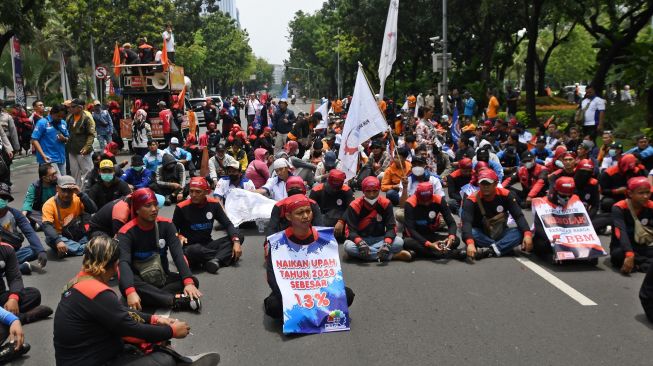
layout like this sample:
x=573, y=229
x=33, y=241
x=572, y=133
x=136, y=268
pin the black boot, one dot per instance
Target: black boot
x=212, y=266
x=8, y=352
x=183, y=302
x=36, y=314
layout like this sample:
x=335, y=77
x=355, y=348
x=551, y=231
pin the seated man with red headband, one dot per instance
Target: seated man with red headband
x=630, y=247
x=194, y=219
x=372, y=227
x=485, y=219
x=294, y=186
x=298, y=212
x=333, y=198
x=145, y=277
x=421, y=222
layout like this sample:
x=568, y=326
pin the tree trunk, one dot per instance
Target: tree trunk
x=531, y=59
x=649, y=107
x=4, y=39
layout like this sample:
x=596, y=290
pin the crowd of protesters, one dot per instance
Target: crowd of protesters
x=425, y=175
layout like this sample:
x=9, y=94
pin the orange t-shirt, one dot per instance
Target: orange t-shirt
x=493, y=107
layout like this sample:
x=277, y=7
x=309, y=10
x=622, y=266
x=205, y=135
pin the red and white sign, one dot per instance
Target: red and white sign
x=101, y=72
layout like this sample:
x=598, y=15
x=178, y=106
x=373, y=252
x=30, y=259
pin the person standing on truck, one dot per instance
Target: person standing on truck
x=169, y=39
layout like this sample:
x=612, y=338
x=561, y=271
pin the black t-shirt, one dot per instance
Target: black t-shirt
x=195, y=222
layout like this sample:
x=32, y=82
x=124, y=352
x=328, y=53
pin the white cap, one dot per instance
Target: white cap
x=280, y=163
x=174, y=140
x=233, y=164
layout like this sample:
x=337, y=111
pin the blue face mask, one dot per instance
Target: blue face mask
x=107, y=177
x=3, y=203
x=612, y=152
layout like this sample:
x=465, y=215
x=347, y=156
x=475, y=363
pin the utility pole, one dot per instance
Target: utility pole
x=90, y=27
x=445, y=86
x=339, y=91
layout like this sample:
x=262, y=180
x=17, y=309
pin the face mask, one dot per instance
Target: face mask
x=529, y=165
x=234, y=178
x=559, y=164
x=3, y=204
x=107, y=177
x=612, y=152
x=371, y=202
x=138, y=168
x=418, y=171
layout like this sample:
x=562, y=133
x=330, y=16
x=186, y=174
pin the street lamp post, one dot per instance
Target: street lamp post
x=445, y=86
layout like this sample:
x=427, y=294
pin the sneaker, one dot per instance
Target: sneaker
x=212, y=266
x=403, y=256
x=183, y=302
x=8, y=353
x=483, y=253
x=38, y=313
x=25, y=268
x=608, y=230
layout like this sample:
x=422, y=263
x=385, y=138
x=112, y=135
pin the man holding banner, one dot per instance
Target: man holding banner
x=304, y=274
x=563, y=227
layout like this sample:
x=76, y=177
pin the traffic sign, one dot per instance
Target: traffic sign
x=101, y=72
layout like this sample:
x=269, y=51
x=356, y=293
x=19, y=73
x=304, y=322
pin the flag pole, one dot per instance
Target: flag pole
x=360, y=65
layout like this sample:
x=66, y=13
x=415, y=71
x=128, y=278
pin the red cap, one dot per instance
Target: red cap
x=199, y=182
x=295, y=182
x=488, y=123
x=267, y=129
x=627, y=162
x=638, y=182
x=371, y=183
x=140, y=198
x=295, y=202
x=466, y=163
x=565, y=185
x=481, y=165
x=487, y=175
x=424, y=192
x=559, y=151
x=336, y=178
x=585, y=164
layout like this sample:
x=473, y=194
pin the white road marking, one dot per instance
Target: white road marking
x=555, y=281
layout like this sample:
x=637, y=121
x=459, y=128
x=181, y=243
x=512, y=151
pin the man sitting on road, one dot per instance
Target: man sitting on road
x=170, y=179
x=614, y=180
x=181, y=155
x=145, y=276
x=194, y=219
x=137, y=176
x=275, y=187
x=457, y=180
x=630, y=247
x=63, y=218
x=333, y=198
x=218, y=164
x=372, y=227
x=38, y=193
x=421, y=213
x=11, y=220
x=234, y=179
x=392, y=176
x=485, y=218
x=154, y=157
x=533, y=179
x=109, y=188
x=299, y=214
x=294, y=186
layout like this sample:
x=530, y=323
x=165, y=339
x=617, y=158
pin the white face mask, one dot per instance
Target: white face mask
x=559, y=164
x=529, y=165
x=371, y=202
x=418, y=171
x=612, y=152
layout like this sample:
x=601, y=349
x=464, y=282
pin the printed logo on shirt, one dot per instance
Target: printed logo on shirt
x=339, y=202
x=162, y=243
x=432, y=215
x=2, y=264
x=379, y=218
x=499, y=208
x=587, y=196
x=209, y=215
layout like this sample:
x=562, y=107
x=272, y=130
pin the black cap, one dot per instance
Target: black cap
x=5, y=192
x=376, y=144
x=527, y=155
x=221, y=147
x=617, y=145
x=137, y=160
x=77, y=102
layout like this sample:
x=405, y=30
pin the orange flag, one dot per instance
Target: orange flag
x=164, y=56
x=312, y=108
x=180, y=99
x=116, y=60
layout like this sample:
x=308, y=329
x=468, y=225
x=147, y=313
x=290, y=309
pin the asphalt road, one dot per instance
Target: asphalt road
x=496, y=312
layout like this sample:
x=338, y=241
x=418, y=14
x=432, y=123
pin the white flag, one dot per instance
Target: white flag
x=389, y=49
x=324, y=123
x=364, y=120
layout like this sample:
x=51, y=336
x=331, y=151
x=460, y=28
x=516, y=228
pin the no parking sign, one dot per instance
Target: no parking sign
x=101, y=72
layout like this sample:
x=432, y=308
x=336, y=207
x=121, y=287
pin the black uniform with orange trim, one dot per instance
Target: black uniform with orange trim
x=612, y=179
x=195, y=222
x=533, y=181
x=421, y=221
x=623, y=243
x=590, y=196
x=455, y=181
x=90, y=321
x=559, y=173
x=364, y=220
x=504, y=201
x=111, y=217
x=333, y=203
x=141, y=243
x=278, y=220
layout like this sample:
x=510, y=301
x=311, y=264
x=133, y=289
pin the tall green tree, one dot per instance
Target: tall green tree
x=20, y=18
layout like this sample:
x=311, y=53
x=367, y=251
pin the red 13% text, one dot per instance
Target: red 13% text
x=308, y=301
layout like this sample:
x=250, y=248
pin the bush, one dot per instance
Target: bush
x=565, y=116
